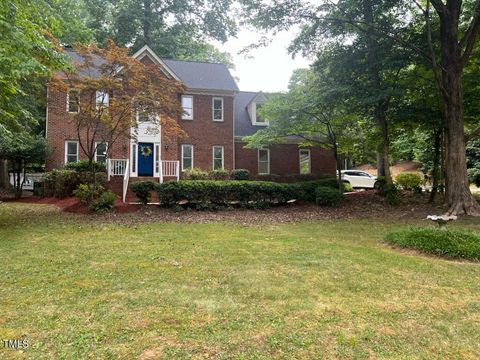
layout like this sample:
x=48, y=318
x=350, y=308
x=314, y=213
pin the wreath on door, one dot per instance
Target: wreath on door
x=145, y=150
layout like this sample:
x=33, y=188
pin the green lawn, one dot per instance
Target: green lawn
x=80, y=288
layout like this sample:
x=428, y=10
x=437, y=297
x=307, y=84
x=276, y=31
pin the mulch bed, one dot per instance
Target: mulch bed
x=357, y=205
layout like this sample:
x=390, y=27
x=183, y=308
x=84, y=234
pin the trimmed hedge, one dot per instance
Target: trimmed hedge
x=292, y=178
x=453, y=244
x=143, y=190
x=62, y=183
x=240, y=174
x=328, y=196
x=85, y=166
x=224, y=192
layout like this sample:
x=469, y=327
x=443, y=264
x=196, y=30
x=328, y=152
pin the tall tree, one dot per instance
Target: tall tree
x=173, y=29
x=459, y=26
x=306, y=114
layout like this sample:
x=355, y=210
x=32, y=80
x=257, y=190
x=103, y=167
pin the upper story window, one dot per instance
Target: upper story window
x=187, y=104
x=101, y=152
x=71, y=151
x=257, y=117
x=102, y=99
x=218, y=158
x=305, y=163
x=187, y=157
x=263, y=161
x=73, y=101
x=217, y=109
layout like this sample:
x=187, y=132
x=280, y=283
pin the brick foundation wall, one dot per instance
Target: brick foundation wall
x=284, y=159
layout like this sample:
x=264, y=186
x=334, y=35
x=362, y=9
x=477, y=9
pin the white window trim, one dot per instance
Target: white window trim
x=68, y=102
x=213, y=109
x=254, y=116
x=191, y=146
x=309, y=161
x=107, y=104
x=66, y=150
x=106, y=150
x=184, y=116
x=258, y=161
x=213, y=156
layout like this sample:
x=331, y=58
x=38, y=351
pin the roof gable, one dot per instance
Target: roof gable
x=146, y=51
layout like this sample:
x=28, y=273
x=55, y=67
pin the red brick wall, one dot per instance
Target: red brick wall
x=284, y=159
x=203, y=133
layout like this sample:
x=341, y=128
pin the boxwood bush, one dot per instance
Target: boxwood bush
x=224, y=192
x=85, y=166
x=143, y=190
x=453, y=244
x=62, y=183
x=240, y=174
x=409, y=181
x=328, y=196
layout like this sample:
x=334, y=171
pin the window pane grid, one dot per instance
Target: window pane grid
x=305, y=167
x=263, y=161
x=187, y=104
x=187, y=157
x=218, y=157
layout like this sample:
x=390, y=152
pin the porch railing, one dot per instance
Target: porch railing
x=117, y=167
x=170, y=168
x=126, y=178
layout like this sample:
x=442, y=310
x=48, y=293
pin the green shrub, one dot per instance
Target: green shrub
x=447, y=243
x=195, y=174
x=219, y=175
x=240, y=174
x=392, y=195
x=409, y=181
x=85, y=166
x=306, y=190
x=474, y=176
x=203, y=192
x=347, y=187
x=143, y=190
x=62, y=183
x=105, y=202
x=291, y=178
x=87, y=193
x=327, y=196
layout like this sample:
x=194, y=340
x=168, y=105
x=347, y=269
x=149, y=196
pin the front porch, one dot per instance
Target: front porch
x=120, y=172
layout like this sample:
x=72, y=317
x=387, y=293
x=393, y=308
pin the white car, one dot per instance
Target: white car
x=359, y=179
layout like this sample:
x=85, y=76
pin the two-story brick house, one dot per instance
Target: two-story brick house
x=216, y=118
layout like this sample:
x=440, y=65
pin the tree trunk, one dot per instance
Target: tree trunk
x=458, y=197
x=4, y=178
x=338, y=161
x=383, y=163
x=436, y=166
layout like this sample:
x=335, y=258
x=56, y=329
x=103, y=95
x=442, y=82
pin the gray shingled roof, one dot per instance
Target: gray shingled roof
x=202, y=75
x=243, y=123
x=194, y=75
x=90, y=72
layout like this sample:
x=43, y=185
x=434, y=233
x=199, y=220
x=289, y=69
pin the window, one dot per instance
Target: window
x=102, y=99
x=258, y=119
x=217, y=157
x=217, y=105
x=157, y=158
x=73, y=101
x=264, y=161
x=187, y=104
x=305, y=164
x=101, y=152
x=71, y=151
x=187, y=157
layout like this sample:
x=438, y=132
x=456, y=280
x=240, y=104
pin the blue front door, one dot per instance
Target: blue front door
x=145, y=159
